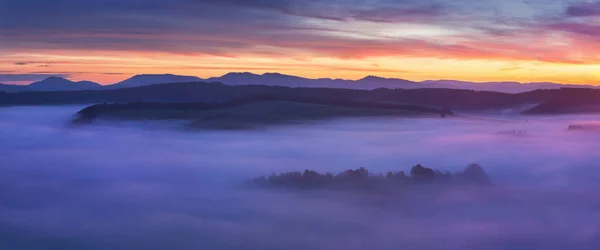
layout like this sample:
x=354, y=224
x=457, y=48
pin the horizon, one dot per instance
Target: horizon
x=487, y=41
x=46, y=77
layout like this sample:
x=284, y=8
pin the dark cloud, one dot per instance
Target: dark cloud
x=179, y=26
x=278, y=27
x=584, y=9
x=195, y=16
x=343, y=10
x=394, y=15
x=39, y=64
x=577, y=28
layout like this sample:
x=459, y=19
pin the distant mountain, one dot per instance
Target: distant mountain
x=375, y=82
x=452, y=99
x=277, y=79
x=270, y=79
x=506, y=87
x=151, y=79
x=377, y=79
x=11, y=87
x=54, y=83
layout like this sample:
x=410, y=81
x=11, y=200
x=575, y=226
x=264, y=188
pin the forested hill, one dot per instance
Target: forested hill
x=458, y=100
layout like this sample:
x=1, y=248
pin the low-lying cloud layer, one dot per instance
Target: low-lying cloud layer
x=123, y=187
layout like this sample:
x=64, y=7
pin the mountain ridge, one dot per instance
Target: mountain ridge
x=369, y=82
x=151, y=79
x=451, y=99
x=55, y=83
x=52, y=83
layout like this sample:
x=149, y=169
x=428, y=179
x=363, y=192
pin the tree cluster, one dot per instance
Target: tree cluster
x=362, y=179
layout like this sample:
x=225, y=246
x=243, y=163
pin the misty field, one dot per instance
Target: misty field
x=139, y=185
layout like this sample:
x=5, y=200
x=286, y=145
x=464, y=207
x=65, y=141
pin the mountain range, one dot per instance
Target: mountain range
x=277, y=79
x=52, y=83
x=554, y=101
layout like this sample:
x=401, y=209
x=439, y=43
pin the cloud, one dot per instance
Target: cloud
x=399, y=15
x=584, y=9
x=586, y=29
x=122, y=186
x=346, y=29
x=344, y=10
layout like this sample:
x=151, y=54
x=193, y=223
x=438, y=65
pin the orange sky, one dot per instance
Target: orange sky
x=532, y=41
x=110, y=67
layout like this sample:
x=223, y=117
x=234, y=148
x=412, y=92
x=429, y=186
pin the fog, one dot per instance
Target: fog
x=154, y=186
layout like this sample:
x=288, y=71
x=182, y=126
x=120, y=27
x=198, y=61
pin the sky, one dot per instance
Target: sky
x=473, y=40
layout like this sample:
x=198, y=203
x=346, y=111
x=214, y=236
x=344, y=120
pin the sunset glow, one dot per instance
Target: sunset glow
x=513, y=40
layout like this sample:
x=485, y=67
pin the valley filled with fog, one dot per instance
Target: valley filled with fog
x=151, y=185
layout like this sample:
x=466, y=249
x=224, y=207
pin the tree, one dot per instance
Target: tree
x=421, y=173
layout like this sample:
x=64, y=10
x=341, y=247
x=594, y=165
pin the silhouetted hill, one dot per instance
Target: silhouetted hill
x=11, y=87
x=151, y=79
x=217, y=92
x=571, y=101
x=251, y=112
x=54, y=83
x=247, y=78
x=375, y=82
x=366, y=83
x=276, y=79
x=506, y=87
x=453, y=99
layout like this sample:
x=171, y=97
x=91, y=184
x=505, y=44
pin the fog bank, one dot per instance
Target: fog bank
x=150, y=186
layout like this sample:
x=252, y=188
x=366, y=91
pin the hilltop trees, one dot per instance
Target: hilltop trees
x=362, y=179
x=420, y=173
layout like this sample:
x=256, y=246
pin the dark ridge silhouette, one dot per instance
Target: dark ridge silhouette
x=277, y=79
x=366, y=83
x=251, y=112
x=98, y=109
x=11, y=87
x=453, y=99
x=151, y=79
x=362, y=179
x=54, y=83
x=572, y=101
